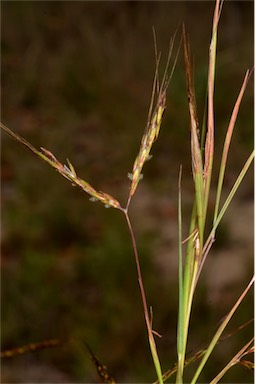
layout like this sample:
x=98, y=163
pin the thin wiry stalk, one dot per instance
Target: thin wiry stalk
x=145, y=306
x=150, y=135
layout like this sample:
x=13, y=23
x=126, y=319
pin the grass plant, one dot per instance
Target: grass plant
x=197, y=243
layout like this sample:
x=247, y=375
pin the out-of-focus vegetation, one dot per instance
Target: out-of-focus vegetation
x=76, y=79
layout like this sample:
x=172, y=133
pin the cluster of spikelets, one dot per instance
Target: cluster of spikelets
x=150, y=135
x=68, y=171
x=156, y=111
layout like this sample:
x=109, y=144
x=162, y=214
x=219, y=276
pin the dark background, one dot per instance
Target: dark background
x=76, y=79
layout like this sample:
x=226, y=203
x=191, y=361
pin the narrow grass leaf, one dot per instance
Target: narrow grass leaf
x=209, y=142
x=220, y=331
x=156, y=358
x=194, y=248
x=227, y=144
x=180, y=275
x=227, y=202
x=235, y=360
x=197, y=355
x=183, y=322
x=197, y=164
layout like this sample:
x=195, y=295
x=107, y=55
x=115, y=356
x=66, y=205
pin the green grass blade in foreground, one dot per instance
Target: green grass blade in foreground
x=235, y=360
x=219, y=332
x=209, y=141
x=180, y=279
x=227, y=144
x=195, y=243
x=196, y=156
x=183, y=323
x=156, y=359
x=190, y=273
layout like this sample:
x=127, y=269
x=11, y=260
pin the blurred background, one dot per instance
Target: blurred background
x=77, y=79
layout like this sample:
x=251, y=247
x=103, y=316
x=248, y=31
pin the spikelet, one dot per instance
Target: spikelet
x=30, y=348
x=101, y=369
x=150, y=135
x=69, y=173
x=154, y=119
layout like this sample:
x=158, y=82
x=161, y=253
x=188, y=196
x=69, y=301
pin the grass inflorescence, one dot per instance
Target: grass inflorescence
x=198, y=244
